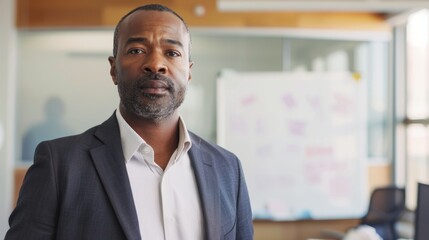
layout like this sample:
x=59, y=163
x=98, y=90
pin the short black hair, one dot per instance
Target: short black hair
x=149, y=7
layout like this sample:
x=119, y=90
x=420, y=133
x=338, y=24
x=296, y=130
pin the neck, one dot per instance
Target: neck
x=162, y=136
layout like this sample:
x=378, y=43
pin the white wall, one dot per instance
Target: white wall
x=7, y=103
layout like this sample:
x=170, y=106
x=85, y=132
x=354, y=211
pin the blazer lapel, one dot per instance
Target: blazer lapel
x=208, y=190
x=110, y=164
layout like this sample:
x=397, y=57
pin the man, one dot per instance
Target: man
x=140, y=174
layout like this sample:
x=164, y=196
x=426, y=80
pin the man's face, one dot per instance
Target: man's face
x=152, y=67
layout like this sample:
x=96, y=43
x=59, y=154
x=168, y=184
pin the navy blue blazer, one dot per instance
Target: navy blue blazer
x=78, y=188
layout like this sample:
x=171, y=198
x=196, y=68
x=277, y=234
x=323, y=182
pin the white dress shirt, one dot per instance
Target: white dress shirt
x=167, y=202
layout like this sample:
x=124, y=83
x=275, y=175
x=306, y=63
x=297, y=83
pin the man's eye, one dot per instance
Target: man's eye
x=173, y=54
x=136, y=51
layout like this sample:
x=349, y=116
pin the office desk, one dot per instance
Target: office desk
x=299, y=230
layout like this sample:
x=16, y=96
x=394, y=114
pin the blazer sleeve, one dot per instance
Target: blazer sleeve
x=244, y=213
x=35, y=215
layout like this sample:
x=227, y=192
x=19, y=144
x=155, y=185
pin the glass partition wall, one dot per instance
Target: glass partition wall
x=64, y=86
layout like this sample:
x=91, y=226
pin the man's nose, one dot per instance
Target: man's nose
x=155, y=64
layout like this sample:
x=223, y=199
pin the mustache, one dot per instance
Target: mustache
x=158, y=77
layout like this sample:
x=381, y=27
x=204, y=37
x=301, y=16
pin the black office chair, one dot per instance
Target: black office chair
x=385, y=208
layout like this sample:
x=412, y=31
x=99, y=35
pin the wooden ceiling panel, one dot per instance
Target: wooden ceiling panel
x=106, y=13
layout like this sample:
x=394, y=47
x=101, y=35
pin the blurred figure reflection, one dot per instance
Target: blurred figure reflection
x=51, y=127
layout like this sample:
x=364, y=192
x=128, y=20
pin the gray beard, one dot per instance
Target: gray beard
x=154, y=108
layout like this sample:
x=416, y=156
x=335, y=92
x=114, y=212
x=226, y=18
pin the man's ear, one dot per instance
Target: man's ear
x=191, y=63
x=113, y=69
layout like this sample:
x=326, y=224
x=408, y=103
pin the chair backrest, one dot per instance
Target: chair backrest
x=385, y=207
x=421, y=223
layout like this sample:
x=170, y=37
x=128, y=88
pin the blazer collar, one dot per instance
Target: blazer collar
x=110, y=164
x=208, y=188
x=109, y=161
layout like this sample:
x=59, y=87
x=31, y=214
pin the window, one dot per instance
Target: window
x=414, y=126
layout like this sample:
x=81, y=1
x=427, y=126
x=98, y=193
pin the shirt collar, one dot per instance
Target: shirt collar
x=131, y=141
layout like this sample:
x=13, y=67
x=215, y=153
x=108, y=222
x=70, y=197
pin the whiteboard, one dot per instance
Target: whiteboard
x=301, y=138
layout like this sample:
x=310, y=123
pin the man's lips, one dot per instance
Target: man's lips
x=154, y=87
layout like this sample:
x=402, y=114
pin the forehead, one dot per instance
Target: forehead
x=145, y=22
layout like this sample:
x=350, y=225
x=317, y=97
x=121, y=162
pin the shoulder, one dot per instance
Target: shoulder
x=81, y=139
x=210, y=147
x=214, y=154
x=76, y=148
x=90, y=138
